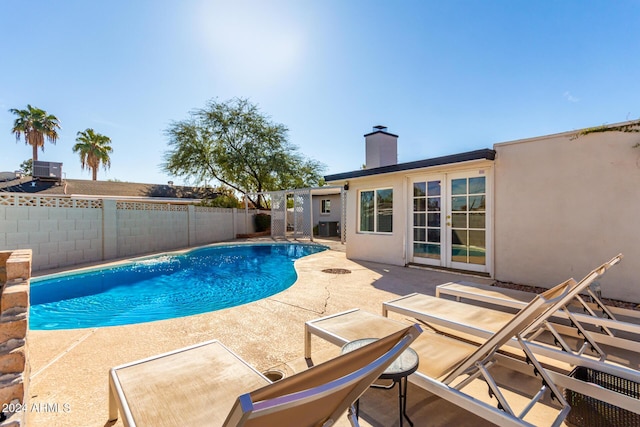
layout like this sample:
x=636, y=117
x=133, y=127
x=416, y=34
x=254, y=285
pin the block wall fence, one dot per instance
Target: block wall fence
x=63, y=231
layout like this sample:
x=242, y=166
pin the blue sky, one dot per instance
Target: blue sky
x=446, y=76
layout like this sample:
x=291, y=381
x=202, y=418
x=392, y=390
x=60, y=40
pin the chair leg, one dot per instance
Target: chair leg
x=352, y=414
x=402, y=397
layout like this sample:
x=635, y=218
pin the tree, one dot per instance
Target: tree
x=234, y=143
x=225, y=199
x=94, y=148
x=36, y=125
x=27, y=167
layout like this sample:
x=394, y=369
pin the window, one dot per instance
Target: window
x=376, y=210
x=326, y=207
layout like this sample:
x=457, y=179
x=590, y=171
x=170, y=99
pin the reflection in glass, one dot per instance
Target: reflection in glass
x=419, y=205
x=477, y=220
x=477, y=238
x=433, y=220
x=366, y=211
x=433, y=203
x=433, y=188
x=459, y=253
x=426, y=250
x=459, y=220
x=477, y=256
x=476, y=203
x=419, y=189
x=419, y=235
x=459, y=203
x=459, y=237
x=477, y=247
x=477, y=185
x=433, y=235
x=385, y=221
x=419, y=219
x=459, y=186
x=384, y=201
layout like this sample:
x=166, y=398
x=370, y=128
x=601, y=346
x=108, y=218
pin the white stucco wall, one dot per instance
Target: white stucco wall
x=563, y=206
x=377, y=247
x=336, y=209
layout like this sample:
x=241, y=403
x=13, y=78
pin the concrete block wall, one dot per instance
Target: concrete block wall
x=59, y=232
x=142, y=230
x=214, y=225
x=15, y=274
x=63, y=231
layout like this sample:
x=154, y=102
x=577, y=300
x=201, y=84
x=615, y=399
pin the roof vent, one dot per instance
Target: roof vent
x=379, y=128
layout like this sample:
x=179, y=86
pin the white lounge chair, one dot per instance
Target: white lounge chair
x=611, y=320
x=448, y=365
x=479, y=323
x=200, y=385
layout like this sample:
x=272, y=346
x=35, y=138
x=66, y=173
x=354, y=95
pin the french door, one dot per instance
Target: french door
x=449, y=221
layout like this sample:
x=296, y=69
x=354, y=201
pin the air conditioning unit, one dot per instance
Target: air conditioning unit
x=47, y=170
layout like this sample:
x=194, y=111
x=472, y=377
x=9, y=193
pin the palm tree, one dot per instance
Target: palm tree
x=36, y=125
x=94, y=148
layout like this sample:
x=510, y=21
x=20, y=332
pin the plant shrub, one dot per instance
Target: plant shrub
x=263, y=222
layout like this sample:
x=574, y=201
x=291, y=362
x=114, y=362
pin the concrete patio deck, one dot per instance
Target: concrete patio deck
x=69, y=368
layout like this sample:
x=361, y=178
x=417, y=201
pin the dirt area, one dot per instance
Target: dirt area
x=535, y=289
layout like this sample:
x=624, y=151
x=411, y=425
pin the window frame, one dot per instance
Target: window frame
x=323, y=203
x=376, y=223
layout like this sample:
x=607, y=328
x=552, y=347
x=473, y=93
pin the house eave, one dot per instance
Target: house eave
x=484, y=154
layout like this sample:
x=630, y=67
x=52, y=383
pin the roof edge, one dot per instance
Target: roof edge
x=483, y=154
x=380, y=131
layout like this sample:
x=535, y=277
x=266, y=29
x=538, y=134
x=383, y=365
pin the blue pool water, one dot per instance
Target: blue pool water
x=165, y=286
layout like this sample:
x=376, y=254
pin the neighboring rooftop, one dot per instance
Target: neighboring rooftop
x=104, y=188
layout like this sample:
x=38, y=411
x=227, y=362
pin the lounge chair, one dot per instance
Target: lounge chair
x=478, y=324
x=482, y=322
x=611, y=320
x=199, y=385
x=448, y=365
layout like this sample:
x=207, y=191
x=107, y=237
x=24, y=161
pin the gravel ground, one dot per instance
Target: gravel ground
x=535, y=289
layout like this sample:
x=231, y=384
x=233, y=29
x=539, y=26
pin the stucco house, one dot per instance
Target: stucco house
x=534, y=211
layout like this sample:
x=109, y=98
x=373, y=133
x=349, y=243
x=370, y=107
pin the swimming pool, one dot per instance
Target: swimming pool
x=165, y=286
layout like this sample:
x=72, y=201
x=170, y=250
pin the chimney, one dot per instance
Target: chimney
x=381, y=148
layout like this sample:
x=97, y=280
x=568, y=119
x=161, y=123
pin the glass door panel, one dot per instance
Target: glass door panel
x=427, y=219
x=467, y=221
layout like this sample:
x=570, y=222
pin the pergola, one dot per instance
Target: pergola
x=295, y=219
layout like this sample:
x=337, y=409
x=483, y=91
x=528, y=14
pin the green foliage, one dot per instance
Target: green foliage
x=235, y=144
x=225, y=199
x=27, y=167
x=94, y=149
x=35, y=125
x=263, y=222
x=632, y=127
x=222, y=201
